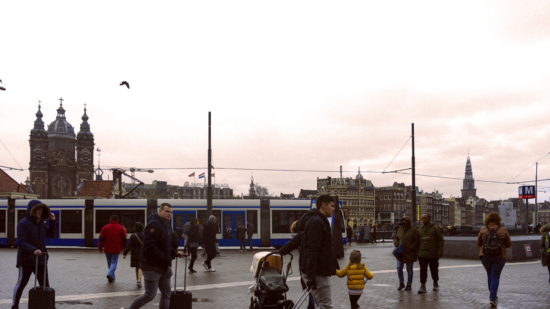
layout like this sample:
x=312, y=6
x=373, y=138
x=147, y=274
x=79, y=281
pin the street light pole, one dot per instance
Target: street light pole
x=536, y=221
x=209, y=188
x=413, y=191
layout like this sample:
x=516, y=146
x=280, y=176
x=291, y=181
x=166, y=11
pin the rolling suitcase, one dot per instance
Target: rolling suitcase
x=181, y=299
x=41, y=297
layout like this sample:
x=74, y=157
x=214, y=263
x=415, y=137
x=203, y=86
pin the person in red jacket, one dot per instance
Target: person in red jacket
x=113, y=238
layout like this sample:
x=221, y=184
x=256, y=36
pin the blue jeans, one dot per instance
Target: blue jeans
x=409, y=271
x=493, y=267
x=154, y=281
x=112, y=261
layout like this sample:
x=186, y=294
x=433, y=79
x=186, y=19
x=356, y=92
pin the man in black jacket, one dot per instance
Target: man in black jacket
x=317, y=259
x=159, y=248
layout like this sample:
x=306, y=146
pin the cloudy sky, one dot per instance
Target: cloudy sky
x=291, y=85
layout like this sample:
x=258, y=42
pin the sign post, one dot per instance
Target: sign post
x=526, y=192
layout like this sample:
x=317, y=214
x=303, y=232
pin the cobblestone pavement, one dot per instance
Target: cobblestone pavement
x=78, y=276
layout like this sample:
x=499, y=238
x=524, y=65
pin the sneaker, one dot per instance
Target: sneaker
x=493, y=303
x=110, y=279
x=211, y=270
x=192, y=271
x=205, y=266
x=422, y=289
x=408, y=287
x=401, y=286
x=436, y=286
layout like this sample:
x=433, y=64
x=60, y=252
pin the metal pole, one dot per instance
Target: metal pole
x=413, y=195
x=209, y=188
x=536, y=196
x=526, y=216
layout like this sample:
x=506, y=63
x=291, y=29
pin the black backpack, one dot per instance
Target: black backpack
x=492, y=245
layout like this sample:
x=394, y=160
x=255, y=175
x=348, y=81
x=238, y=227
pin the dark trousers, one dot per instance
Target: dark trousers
x=434, y=269
x=193, y=252
x=250, y=241
x=241, y=243
x=353, y=299
x=24, y=275
x=548, y=273
x=493, y=266
x=209, y=259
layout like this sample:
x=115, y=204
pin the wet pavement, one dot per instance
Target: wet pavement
x=78, y=276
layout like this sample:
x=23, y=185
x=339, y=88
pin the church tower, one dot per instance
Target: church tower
x=468, y=186
x=84, y=151
x=38, y=167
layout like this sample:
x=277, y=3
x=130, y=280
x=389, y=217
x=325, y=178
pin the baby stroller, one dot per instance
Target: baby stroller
x=270, y=287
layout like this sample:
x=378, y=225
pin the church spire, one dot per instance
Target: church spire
x=38, y=123
x=84, y=126
x=468, y=184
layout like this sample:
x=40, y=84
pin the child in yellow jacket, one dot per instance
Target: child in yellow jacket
x=357, y=272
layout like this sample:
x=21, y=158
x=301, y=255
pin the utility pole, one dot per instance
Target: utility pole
x=536, y=222
x=413, y=192
x=209, y=188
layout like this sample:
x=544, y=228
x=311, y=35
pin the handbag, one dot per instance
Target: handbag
x=398, y=252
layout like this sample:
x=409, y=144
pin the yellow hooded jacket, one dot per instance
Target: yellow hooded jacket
x=356, y=274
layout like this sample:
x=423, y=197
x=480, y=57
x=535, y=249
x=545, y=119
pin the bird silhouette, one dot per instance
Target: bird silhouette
x=2, y=87
x=125, y=83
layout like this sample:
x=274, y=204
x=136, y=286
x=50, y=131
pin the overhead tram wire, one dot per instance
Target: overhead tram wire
x=11, y=155
x=530, y=166
x=397, y=154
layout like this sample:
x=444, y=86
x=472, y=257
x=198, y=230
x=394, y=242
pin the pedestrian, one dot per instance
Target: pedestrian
x=361, y=233
x=408, y=239
x=356, y=272
x=241, y=231
x=249, y=233
x=545, y=247
x=210, y=241
x=32, y=231
x=192, y=240
x=349, y=233
x=373, y=233
x=317, y=258
x=134, y=247
x=431, y=249
x=159, y=248
x=113, y=238
x=493, y=239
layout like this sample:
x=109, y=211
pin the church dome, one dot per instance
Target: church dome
x=61, y=127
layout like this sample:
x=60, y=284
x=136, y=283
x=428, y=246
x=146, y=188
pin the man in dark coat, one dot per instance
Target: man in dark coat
x=317, y=258
x=32, y=231
x=210, y=240
x=410, y=239
x=113, y=238
x=241, y=231
x=159, y=248
x=249, y=233
x=192, y=240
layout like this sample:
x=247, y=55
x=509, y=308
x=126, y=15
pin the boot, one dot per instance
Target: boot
x=436, y=286
x=408, y=287
x=422, y=289
x=401, y=286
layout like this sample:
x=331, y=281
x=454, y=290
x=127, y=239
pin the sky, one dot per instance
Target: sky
x=308, y=85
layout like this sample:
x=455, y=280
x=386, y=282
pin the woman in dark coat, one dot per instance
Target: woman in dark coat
x=134, y=247
x=209, y=245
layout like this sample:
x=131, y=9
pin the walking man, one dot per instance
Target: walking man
x=249, y=233
x=156, y=258
x=241, y=231
x=431, y=249
x=210, y=240
x=192, y=243
x=32, y=231
x=317, y=259
x=113, y=238
x=408, y=238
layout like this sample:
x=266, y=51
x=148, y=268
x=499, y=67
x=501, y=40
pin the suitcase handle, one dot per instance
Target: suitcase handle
x=45, y=254
x=184, y=273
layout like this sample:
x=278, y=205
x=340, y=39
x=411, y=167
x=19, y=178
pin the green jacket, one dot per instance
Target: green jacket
x=545, y=258
x=431, y=241
x=410, y=243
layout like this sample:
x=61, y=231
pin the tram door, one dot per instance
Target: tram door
x=180, y=218
x=55, y=241
x=231, y=219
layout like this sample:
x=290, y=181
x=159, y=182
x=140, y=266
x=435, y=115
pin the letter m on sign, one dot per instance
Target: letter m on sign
x=526, y=192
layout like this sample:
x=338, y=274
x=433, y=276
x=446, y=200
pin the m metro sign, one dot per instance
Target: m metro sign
x=526, y=192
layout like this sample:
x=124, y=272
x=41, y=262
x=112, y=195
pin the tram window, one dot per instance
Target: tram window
x=2, y=221
x=282, y=219
x=203, y=217
x=126, y=218
x=21, y=214
x=71, y=221
x=252, y=218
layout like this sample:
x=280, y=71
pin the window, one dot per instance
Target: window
x=203, y=217
x=282, y=219
x=2, y=221
x=21, y=213
x=126, y=217
x=252, y=218
x=71, y=221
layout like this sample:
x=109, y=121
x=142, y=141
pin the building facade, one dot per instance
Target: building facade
x=59, y=159
x=391, y=204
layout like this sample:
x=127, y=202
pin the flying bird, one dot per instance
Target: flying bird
x=125, y=83
x=2, y=87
